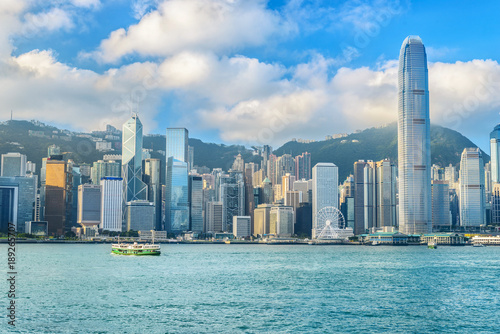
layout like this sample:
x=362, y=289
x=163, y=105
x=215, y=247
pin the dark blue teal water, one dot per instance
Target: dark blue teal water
x=256, y=289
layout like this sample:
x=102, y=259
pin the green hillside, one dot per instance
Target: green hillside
x=377, y=144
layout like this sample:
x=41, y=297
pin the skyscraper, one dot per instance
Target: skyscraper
x=303, y=166
x=58, y=199
x=325, y=189
x=196, y=203
x=152, y=177
x=111, y=204
x=133, y=187
x=414, y=153
x=495, y=154
x=103, y=168
x=13, y=164
x=89, y=205
x=472, y=198
x=176, y=181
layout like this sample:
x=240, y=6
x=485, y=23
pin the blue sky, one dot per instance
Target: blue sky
x=249, y=72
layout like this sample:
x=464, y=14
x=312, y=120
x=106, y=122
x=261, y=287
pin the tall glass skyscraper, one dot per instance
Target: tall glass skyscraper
x=495, y=154
x=414, y=151
x=177, y=192
x=133, y=187
x=325, y=191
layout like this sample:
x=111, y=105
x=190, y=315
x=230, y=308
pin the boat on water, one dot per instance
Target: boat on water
x=135, y=249
x=432, y=245
x=477, y=245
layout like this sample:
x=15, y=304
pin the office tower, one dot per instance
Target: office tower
x=213, y=214
x=53, y=150
x=347, y=200
x=77, y=181
x=196, y=203
x=89, y=205
x=495, y=204
x=152, y=178
x=58, y=195
x=190, y=157
x=487, y=182
x=30, y=167
x=261, y=219
x=281, y=221
x=111, y=204
x=303, y=224
x=293, y=198
x=238, y=164
x=303, y=166
x=441, y=216
x=103, y=168
x=324, y=189
x=140, y=216
x=305, y=187
x=177, y=197
x=177, y=144
x=17, y=201
x=267, y=191
x=86, y=172
x=454, y=207
x=242, y=226
x=414, y=152
x=232, y=196
x=133, y=187
x=257, y=196
x=249, y=198
x=386, y=189
x=472, y=197
x=284, y=164
x=177, y=192
x=13, y=164
x=495, y=154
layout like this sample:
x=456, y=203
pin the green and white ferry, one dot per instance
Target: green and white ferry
x=135, y=249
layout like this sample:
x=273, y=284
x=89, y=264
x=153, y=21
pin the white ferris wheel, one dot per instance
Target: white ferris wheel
x=330, y=223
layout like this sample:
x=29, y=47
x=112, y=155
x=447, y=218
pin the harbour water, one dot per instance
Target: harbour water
x=83, y=288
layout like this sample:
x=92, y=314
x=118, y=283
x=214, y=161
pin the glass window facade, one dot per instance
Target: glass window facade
x=414, y=153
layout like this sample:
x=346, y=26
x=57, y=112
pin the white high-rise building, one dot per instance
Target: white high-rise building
x=133, y=187
x=495, y=154
x=111, y=204
x=325, y=191
x=472, y=197
x=242, y=226
x=414, y=151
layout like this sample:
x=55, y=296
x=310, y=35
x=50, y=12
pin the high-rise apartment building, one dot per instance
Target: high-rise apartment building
x=414, y=152
x=303, y=166
x=472, y=197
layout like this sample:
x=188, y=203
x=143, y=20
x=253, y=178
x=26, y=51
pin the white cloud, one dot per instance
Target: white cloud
x=51, y=20
x=195, y=25
x=86, y=3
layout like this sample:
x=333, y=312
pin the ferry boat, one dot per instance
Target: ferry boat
x=135, y=249
x=432, y=245
x=477, y=245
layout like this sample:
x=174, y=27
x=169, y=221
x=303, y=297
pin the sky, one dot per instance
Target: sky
x=248, y=72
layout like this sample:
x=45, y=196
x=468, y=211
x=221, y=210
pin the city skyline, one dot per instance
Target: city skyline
x=303, y=62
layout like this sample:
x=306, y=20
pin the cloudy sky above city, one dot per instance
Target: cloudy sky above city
x=244, y=71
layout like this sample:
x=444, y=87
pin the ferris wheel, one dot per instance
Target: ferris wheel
x=329, y=223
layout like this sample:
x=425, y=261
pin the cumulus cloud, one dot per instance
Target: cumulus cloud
x=53, y=19
x=195, y=25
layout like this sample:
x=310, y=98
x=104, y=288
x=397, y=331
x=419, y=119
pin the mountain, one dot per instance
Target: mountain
x=377, y=144
x=33, y=138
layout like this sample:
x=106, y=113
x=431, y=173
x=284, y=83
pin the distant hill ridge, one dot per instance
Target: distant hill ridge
x=370, y=144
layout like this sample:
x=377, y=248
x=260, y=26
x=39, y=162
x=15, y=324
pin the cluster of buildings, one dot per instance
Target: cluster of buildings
x=280, y=197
